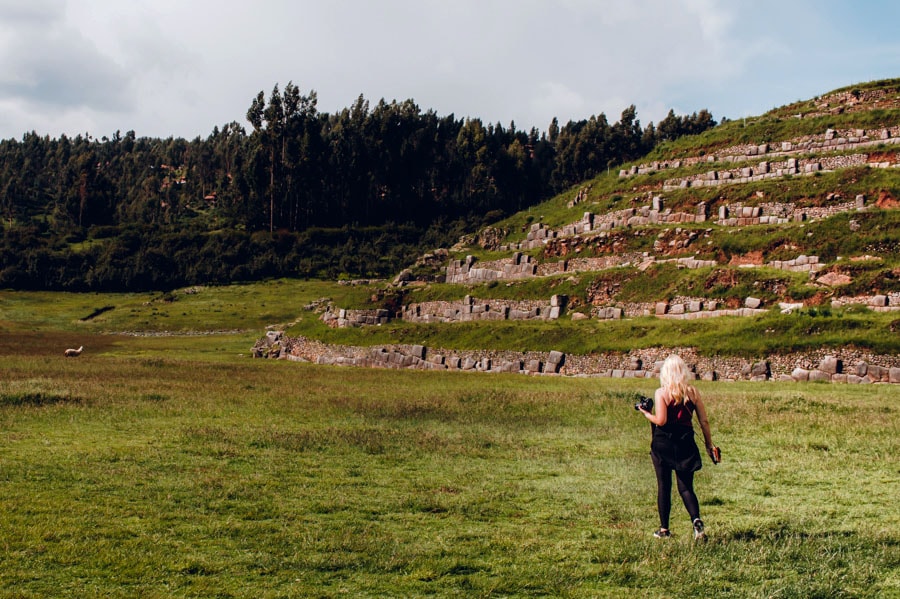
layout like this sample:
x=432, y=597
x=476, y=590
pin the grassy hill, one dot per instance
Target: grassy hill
x=796, y=206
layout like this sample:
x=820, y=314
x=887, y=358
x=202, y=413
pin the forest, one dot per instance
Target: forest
x=300, y=193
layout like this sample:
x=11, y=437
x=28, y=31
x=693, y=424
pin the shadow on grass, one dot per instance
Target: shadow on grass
x=37, y=398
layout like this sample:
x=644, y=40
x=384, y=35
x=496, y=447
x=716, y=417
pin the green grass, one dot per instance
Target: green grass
x=245, y=312
x=156, y=469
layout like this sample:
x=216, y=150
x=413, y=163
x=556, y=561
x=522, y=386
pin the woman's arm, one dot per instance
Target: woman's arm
x=660, y=414
x=704, y=424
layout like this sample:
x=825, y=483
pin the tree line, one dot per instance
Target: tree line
x=305, y=193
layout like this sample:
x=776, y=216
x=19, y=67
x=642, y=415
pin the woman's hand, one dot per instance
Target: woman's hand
x=714, y=453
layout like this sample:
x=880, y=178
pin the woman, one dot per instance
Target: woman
x=672, y=447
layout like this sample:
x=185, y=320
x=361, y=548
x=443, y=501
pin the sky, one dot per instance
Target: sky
x=180, y=68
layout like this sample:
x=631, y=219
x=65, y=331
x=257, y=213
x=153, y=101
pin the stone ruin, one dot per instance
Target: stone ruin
x=643, y=364
x=471, y=309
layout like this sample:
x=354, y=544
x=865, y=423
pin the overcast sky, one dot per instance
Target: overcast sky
x=180, y=67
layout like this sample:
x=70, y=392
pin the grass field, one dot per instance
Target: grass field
x=175, y=466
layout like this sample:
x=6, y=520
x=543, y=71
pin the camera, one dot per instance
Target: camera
x=644, y=402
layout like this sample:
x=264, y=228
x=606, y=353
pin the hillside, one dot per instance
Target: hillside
x=760, y=237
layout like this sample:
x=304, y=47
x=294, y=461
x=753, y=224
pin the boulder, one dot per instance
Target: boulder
x=800, y=374
x=894, y=375
x=760, y=369
x=753, y=303
x=830, y=365
x=879, y=301
x=818, y=375
x=874, y=373
x=555, y=361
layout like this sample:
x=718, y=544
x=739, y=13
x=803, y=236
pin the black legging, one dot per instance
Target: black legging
x=685, y=481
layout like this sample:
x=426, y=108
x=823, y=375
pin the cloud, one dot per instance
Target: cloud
x=168, y=67
x=46, y=64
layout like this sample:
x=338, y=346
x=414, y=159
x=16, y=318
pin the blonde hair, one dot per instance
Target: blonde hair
x=673, y=378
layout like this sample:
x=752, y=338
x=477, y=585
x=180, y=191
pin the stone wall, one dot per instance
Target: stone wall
x=471, y=309
x=836, y=366
x=879, y=303
x=766, y=170
x=342, y=318
x=520, y=266
x=846, y=139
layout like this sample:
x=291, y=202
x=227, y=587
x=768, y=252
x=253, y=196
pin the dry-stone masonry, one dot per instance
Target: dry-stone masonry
x=846, y=366
x=849, y=139
x=471, y=309
x=355, y=318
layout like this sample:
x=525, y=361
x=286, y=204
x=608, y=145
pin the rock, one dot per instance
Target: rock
x=789, y=307
x=579, y=316
x=760, y=369
x=555, y=361
x=404, y=276
x=861, y=369
x=830, y=365
x=879, y=301
x=818, y=375
x=875, y=373
x=834, y=279
x=752, y=303
x=710, y=375
x=661, y=308
x=894, y=375
x=800, y=374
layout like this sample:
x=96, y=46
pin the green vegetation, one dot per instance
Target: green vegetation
x=154, y=468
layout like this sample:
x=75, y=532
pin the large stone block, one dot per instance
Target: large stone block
x=752, y=303
x=818, y=375
x=556, y=358
x=800, y=374
x=533, y=366
x=830, y=365
x=875, y=373
x=879, y=301
x=760, y=369
x=894, y=375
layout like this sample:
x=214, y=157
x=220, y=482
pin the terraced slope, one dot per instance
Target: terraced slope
x=772, y=236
